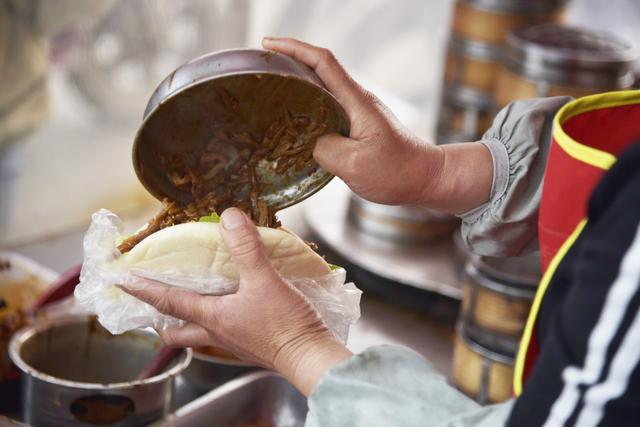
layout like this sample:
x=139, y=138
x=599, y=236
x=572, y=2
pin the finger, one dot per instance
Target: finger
x=336, y=154
x=189, y=335
x=349, y=93
x=176, y=302
x=245, y=247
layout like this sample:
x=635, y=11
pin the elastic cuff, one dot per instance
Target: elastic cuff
x=500, y=158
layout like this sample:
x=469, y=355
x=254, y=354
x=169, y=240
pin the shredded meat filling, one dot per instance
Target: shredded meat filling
x=216, y=182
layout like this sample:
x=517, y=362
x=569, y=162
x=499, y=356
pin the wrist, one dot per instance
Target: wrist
x=430, y=184
x=306, y=362
x=461, y=177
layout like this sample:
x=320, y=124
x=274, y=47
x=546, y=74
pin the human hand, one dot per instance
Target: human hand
x=381, y=160
x=267, y=321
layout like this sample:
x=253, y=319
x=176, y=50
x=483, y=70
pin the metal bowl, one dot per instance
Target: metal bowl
x=75, y=373
x=233, y=91
x=207, y=372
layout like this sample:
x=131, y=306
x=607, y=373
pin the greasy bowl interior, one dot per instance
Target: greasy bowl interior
x=186, y=120
x=79, y=352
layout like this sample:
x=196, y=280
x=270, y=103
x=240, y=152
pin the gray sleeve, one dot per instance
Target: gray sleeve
x=519, y=142
x=394, y=386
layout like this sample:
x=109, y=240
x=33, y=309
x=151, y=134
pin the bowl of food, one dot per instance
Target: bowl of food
x=236, y=128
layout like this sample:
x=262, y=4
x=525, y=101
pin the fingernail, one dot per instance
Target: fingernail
x=233, y=218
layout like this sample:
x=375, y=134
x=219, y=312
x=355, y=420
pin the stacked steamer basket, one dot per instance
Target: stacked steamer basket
x=498, y=293
x=472, y=65
x=551, y=60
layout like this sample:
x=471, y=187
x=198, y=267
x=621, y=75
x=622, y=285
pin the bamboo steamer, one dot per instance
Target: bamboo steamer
x=490, y=21
x=482, y=374
x=552, y=60
x=472, y=64
x=497, y=297
x=465, y=114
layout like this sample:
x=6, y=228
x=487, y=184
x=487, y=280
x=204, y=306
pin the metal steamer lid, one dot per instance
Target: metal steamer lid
x=518, y=6
x=516, y=272
x=232, y=93
x=570, y=56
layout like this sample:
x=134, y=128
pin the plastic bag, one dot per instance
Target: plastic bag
x=337, y=302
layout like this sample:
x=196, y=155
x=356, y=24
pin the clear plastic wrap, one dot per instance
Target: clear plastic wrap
x=337, y=302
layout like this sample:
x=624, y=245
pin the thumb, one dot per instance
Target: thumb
x=336, y=154
x=241, y=237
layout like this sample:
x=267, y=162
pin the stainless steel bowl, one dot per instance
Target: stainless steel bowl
x=233, y=91
x=208, y=372
x=75, y=373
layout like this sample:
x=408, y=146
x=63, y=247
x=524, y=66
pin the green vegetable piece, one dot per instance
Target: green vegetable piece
x=214, y=217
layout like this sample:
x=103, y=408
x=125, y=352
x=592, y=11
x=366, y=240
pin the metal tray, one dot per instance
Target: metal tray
x=260, y=398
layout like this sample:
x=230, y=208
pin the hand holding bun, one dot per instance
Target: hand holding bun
x=267, y=321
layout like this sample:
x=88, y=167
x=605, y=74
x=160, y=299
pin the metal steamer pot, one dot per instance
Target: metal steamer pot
x=497, y=297
x=400, y=224
x=472, y=64
x=491, y=20
x=553, y=60
x=465, y=114
x=479, y=372
x=75, y=373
